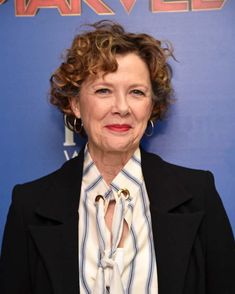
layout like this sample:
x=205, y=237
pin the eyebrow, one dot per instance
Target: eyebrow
x=108, y=84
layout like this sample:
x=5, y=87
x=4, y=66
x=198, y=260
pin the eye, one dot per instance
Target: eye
x=103, y=91
x=138, y=92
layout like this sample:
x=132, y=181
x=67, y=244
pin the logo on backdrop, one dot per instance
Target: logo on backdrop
x=73, y=7
x=69, y=144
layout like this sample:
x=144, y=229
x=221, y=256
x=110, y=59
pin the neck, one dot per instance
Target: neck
x=109, y=164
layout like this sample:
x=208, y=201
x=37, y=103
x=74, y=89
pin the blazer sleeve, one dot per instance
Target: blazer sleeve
x=14, y=273
x=220, y=252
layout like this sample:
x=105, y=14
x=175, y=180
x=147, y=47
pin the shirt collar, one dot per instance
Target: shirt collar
x=130, y=177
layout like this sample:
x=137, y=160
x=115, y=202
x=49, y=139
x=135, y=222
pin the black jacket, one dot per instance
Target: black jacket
x=193, y=240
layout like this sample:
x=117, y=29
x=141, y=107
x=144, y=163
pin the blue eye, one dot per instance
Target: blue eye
x=102, y=91
x=138, y=92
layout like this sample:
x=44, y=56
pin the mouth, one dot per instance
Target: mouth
x=118, y=127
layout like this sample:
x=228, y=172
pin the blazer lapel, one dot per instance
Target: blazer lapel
x=173, y=232
x=57, y=240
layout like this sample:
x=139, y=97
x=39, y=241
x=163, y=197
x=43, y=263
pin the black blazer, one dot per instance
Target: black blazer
x=193, y=240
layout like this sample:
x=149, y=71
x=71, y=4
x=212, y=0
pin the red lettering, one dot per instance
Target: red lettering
x=31, y=9
x=207, y=4
x=99, y=6
x=73, y=7
x=128, y=4
x=169, y=6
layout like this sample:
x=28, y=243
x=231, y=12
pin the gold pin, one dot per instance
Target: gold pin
x=125, y=192
x=98, y=197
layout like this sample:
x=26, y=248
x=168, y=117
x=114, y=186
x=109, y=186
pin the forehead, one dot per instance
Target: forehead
x=131, y=68
x=132, y=63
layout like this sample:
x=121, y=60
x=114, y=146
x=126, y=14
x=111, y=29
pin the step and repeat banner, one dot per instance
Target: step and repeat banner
x=199, y=130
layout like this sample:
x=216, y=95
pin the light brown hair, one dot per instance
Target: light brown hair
x=95, y=51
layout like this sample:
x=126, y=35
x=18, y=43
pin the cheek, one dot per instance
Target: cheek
x=92, y=117
x=145, y=112
x=86, y=110
x=150, y=110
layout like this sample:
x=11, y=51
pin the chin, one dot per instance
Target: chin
x=117, y=146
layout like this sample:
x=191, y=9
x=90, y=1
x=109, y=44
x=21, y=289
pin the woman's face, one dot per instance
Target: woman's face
x=115, y=107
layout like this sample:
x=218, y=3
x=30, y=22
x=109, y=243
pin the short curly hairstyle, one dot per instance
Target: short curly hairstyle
x=95, y=51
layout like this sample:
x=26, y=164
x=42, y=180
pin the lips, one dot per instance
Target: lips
x=118, y=127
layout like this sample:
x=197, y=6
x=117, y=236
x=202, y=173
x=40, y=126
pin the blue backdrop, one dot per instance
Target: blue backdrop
x=199, y=129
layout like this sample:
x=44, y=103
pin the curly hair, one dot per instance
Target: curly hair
x=95, y=51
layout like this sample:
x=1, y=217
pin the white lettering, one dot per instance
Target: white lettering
x=67, y=157
x=68, y=137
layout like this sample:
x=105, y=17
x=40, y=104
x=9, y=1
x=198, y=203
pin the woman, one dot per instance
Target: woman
x=144, y=225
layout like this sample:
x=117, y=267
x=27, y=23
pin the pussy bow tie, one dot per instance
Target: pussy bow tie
x=108, y=257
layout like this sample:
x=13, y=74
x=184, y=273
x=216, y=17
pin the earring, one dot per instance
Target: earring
x=77, y=125
x=67, y=122
x=152, y=129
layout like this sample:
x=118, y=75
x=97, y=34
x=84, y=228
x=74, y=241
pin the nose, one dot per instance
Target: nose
x=121, y=105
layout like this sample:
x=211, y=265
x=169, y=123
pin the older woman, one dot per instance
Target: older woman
x=144, y=225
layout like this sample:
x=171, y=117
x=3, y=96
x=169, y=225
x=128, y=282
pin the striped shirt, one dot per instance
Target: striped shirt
x=136, y=260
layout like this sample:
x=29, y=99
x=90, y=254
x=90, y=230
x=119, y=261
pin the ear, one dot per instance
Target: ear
x=75, y=107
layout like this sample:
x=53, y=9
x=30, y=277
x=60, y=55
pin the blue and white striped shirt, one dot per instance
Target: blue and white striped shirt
x=136, y=260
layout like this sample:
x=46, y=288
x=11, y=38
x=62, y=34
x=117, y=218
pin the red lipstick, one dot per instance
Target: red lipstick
x=118, y=127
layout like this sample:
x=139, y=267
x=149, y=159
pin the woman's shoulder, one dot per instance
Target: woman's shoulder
x=36, y=189
x=193, y=188
x=195, y=180
x=158, y=162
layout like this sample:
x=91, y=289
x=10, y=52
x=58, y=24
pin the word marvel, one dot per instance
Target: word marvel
x=73, y=7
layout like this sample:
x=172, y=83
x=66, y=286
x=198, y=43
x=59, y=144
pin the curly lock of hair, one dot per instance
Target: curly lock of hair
x=95, y=51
